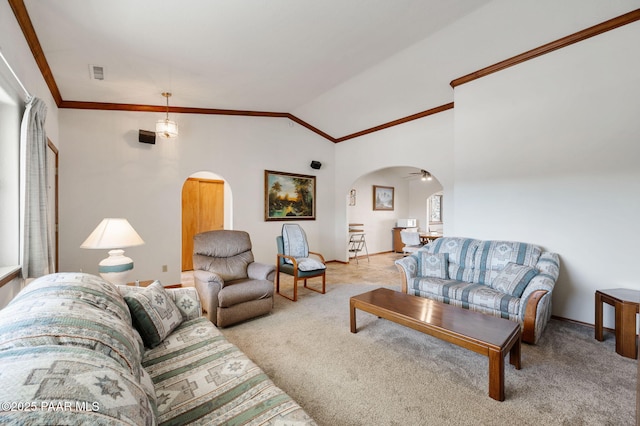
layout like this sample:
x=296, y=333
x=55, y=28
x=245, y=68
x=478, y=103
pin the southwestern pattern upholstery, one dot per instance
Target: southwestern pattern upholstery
x=506, y=279
x=69, y=350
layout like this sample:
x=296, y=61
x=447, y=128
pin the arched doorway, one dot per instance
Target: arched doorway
x=411, y=194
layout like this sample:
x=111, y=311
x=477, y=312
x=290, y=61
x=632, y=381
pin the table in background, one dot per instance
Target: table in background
x=626, y=303
x=146, y=283
x=427, y=238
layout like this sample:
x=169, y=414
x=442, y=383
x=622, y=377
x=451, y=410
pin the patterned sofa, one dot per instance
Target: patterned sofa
x=70, y=355
x=506, y=279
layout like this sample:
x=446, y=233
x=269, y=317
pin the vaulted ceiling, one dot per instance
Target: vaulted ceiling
x=277, y=56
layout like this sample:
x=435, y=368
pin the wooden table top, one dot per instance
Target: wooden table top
x=627, y=295
x=475, y=326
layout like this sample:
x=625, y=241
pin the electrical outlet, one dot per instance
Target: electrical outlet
x=164, y=268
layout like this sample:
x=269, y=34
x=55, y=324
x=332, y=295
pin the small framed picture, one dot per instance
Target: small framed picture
x=435, y=209
x=382, y=197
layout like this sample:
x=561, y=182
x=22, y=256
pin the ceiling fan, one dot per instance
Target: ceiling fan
x=424, y=175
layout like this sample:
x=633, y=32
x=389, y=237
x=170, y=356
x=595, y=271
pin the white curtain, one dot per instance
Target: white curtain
x=35, y=237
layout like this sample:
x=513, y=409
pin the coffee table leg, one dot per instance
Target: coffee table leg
x=626, y=330
x=598, y=325
x=496, y=375
x=352, y=316
x=514, y=354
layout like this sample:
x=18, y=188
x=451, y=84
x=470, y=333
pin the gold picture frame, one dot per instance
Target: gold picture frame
x=289, y=196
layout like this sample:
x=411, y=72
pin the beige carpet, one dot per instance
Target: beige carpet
x=387, y=374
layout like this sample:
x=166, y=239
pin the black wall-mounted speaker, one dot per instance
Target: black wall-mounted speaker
x=146, y=136
x=316, y=164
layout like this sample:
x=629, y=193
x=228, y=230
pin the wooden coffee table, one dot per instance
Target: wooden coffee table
x=484, y=334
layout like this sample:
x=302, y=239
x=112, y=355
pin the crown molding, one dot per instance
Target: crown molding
x=22, y=16
x=422, y=114
x=593, y=31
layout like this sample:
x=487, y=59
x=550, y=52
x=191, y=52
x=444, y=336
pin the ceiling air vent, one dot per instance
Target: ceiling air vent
x=96, y=72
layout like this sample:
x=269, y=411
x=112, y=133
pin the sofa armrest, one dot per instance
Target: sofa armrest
x=548, y=267
x=535, y=307
x=261, y=271
x=408, y=267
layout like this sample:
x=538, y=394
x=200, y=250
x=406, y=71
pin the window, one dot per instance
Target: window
x=11, y=110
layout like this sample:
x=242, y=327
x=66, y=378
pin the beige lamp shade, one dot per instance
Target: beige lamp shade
x=114, y=233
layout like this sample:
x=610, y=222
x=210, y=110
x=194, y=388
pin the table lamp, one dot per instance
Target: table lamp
x=114, y=234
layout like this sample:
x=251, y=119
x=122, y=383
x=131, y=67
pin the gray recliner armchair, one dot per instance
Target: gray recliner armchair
x=232, y=286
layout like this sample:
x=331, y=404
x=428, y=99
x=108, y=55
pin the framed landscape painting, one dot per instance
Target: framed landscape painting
x=382, y=197
x=289, y=196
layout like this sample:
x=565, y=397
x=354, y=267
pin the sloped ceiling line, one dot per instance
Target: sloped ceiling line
x=593, y=31
x=22, y=16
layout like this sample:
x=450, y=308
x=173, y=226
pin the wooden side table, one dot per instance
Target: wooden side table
x=149, y=282
x=626, y=303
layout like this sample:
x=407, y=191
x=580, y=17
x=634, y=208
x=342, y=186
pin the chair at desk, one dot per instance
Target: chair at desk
x=356, y=243
x=411, y=241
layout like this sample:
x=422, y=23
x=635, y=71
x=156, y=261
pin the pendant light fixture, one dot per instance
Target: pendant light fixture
x=166, y=128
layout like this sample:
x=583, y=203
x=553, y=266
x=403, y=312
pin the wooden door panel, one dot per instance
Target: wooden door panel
x=190, y=196
x=202, y=210
x=211, y=211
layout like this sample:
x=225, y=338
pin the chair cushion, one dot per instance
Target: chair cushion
x=513, y=279
x=433, y=265
x=475, y=297
x=154, y=313
x=242, y=291
x=309, y=264
x=295, y=241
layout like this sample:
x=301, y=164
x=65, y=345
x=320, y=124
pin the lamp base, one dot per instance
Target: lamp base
x=116, y=267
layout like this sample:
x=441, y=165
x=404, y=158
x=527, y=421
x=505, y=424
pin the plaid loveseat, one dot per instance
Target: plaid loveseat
x=70, y=355
x=506, y=279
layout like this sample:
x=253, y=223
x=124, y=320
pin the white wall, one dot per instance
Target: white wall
x=106, y=172
x=547, y=152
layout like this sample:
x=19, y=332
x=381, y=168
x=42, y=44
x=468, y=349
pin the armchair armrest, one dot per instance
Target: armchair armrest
x=294, y=262
x=208, y=285
x=207, y=277
x=261, y=271
x=319, y=255
x=408, y=267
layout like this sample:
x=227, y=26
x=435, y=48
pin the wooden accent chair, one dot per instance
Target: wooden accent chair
x=293, y=259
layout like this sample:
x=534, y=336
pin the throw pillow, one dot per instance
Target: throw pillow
x=513, y=279
x=154, y=314
x=434, y=265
